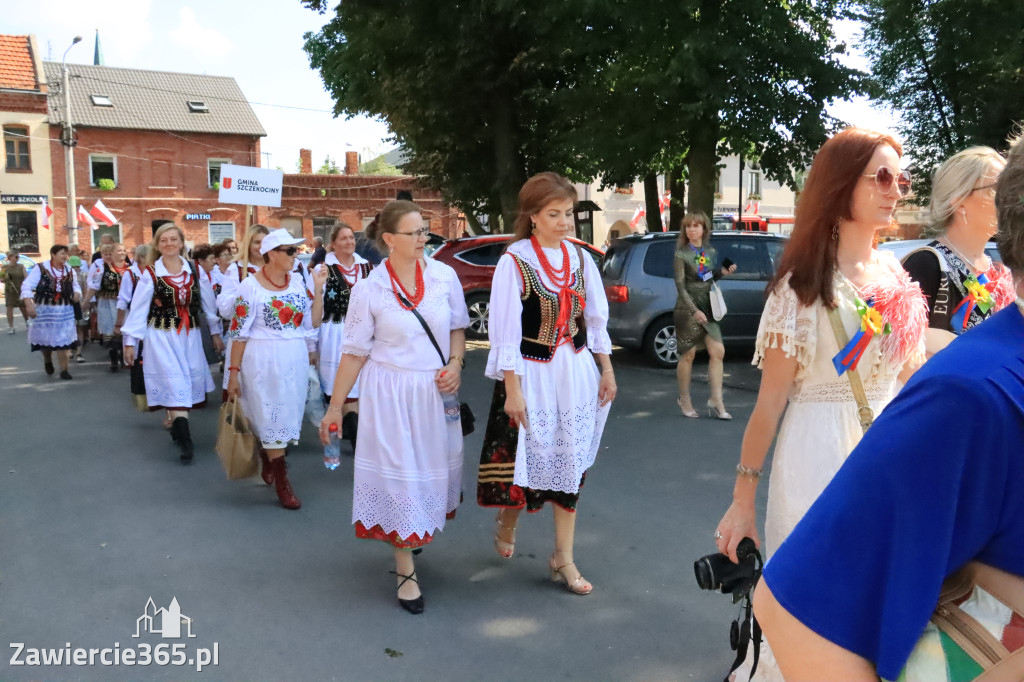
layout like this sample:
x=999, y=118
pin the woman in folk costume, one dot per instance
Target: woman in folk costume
x=344, y=268
x=962, y=285
x=171, y=301
x=841, y=319
x=247, y=262
x=548, y=323
x=124, y=303
x=105, y=283
x=49, y=292
x=272, y=337
x=408, y=463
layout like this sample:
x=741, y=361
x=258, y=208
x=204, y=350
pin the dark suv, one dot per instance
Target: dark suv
x=638, y=278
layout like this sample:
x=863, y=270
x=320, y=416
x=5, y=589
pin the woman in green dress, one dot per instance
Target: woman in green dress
x=696, y=268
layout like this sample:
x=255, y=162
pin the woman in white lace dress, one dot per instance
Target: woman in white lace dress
x=548, y=319
x=830, y=263
x=408, y=458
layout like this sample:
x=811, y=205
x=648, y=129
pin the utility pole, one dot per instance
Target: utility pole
x=739, y=219
x=68, y=139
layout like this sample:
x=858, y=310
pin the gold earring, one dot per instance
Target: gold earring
x=835, y=230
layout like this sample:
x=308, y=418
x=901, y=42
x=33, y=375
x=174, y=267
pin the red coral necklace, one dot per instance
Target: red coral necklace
x=420, y=289
x=560, y=277
x=279, y=286
x=346, y=273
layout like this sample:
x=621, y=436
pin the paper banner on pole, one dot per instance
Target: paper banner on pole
x=250, y=186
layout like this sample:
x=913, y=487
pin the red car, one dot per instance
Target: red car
x=474, y=260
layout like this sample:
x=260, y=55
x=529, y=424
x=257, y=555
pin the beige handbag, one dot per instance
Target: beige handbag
x=235, y=442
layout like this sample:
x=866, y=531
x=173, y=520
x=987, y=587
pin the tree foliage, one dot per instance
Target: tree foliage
x=487, y=92
x=328, y=167
x=953, y=69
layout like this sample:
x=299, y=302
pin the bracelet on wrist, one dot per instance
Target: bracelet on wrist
x=747, y=472
x=234, y=369
x=605, y=371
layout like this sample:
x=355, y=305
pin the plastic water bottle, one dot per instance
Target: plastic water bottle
x=451, y=406
x=332, y=451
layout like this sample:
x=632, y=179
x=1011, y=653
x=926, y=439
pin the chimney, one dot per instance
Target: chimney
x=351, y=163
x=305, y=161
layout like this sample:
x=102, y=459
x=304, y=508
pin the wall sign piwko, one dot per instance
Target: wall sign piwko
x=250, y=186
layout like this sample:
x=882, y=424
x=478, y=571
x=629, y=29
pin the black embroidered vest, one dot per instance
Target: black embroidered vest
x=110, y=283
x=47, y=289
x=540, y=314
x=337, y=292
x=163, y=309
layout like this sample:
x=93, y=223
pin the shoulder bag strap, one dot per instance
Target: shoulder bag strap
x=864, y=412
x=426, y=328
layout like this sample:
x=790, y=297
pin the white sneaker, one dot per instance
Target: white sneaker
x=10, y=331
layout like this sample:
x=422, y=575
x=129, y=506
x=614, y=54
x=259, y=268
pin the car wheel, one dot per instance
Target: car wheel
x=660, y=343
x=479, y=305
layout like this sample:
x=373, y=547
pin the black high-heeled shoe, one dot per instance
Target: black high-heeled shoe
x=413, y=606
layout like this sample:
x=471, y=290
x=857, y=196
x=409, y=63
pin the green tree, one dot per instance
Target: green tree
x=329, y=167
x=952, y=69
x=378, y=166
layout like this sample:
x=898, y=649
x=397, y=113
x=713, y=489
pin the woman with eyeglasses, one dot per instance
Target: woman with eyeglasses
x=271, y=338
x=171, y=301
x=839, y=314
x=408, y=463
x=343, y=268
x=962, y=285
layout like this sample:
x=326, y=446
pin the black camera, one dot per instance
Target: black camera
x=718, y=572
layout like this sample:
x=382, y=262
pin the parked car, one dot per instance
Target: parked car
x=474, y=260
x=638, y=276
x=368, y=250
x=26, y=261
x=902, y=248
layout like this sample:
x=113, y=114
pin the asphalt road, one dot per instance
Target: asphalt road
x=97, y=516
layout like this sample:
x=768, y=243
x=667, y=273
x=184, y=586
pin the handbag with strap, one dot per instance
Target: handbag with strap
x=718, y=308
x=236, y=444
x=976, y=631
x=466, y=415
x=864, y=412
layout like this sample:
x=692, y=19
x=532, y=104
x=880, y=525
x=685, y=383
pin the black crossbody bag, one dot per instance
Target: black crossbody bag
x=465, y=413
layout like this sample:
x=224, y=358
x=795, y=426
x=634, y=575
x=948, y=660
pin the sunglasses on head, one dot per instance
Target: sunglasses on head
x=884, y=179
x=286, y=250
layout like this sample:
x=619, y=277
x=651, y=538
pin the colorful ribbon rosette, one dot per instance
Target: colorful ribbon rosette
x=871, y=323
x=979, y=295
x=702, y=261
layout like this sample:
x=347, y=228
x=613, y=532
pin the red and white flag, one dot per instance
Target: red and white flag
x=664, y=202
x=84, y=217
x=101, y=212
x=47, y=214
x=637, y=215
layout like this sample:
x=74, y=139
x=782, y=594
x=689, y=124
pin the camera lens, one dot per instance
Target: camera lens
x=705, y=575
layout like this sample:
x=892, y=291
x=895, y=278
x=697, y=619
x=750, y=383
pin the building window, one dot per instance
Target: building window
x=221, y=231
x=197, y=107
x=102, y=167
x=17, y=148
x=22, y=231
x=213, y=172
x=322, y=228
x=101, y=101
x=754, y=182
x=113, y=230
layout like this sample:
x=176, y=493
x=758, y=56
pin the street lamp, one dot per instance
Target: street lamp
x=67, y=138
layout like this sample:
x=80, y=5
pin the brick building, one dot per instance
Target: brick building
x=25, y=182
x=311, y=204
x=150, y=145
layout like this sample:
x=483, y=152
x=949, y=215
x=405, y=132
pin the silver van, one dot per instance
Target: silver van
x=637, y=272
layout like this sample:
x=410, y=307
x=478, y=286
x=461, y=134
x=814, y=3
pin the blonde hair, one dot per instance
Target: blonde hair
x=954, y=181
x=154, y=246
x=107, y=248
x=695, y=217
x=243, y=249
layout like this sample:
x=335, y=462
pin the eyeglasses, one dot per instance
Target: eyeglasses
x=286, y=250
x=884, y=180
x=422, y=232
x=991, y=187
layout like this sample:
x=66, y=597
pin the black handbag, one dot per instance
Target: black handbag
x=466, y=415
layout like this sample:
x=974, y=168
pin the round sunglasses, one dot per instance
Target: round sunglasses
x=885, y=178
x=286, y=250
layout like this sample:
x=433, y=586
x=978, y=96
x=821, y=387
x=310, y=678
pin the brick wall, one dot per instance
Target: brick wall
x=28, y=102
x=160, y=176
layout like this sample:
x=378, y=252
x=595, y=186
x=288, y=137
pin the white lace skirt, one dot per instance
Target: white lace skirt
x=332, y=336
x=565, y=421
x=274, y=379
x=175, y=369
x=408, y=461
x=106, y=315
x=53, y=328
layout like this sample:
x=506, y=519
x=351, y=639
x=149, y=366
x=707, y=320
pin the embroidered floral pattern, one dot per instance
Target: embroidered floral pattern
x=241, y=313
x=284, y=311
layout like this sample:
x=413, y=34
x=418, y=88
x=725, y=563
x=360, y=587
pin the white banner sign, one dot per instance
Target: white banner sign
x=250, y=186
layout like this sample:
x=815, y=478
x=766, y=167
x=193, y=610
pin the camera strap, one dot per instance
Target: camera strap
x=749, y=631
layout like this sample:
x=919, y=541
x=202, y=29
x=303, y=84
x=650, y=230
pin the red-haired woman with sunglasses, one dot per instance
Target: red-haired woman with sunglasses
x=829, y=267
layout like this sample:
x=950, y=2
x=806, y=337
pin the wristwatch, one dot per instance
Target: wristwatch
x=462, y=361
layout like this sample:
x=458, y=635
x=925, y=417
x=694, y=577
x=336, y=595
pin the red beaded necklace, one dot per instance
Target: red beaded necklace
x=560, y=277
x=279, y=286
x=420, y=289
x=346, y=273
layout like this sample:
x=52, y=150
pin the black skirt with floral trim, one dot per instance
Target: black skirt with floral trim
x=494, y=486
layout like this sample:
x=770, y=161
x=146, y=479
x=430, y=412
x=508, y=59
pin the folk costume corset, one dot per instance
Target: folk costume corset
x=337, y=292
x=51, y=292
x=110, y=283
x=540, y=314
x=168, y=311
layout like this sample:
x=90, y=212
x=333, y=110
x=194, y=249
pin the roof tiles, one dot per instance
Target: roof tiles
x=17, y=68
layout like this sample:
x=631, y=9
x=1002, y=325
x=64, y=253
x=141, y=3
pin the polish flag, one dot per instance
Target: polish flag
x=84, y=217
x=637, y=215
x=101, y=212
x=664, y=202
x=47, y=214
